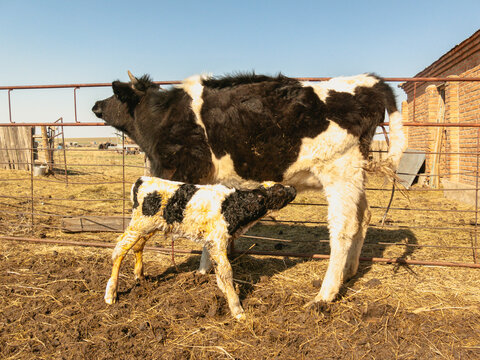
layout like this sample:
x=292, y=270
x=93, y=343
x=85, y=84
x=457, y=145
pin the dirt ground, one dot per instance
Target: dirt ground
x=51, y=297
x=52, y=308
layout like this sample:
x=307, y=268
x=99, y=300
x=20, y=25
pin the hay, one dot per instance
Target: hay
x=52, y=296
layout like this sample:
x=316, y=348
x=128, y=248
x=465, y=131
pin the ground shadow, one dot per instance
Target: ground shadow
x=285, y=240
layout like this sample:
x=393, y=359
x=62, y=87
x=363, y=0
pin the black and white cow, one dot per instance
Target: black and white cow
x=244, y=129
x=211, y=215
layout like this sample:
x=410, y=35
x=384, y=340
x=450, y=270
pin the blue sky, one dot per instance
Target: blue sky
x=64, y=42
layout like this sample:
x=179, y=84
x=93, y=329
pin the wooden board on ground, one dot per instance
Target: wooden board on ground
x=410, y=163
x=94, y=224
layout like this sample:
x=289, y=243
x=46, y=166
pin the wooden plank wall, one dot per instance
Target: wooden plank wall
x=15, y=144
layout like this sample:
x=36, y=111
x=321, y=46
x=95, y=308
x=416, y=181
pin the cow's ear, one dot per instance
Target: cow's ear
x=125, y=93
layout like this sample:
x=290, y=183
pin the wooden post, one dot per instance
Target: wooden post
x=47, y=149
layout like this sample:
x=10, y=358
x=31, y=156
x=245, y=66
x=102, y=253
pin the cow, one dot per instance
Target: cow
x=211, y=215
x=240, y=130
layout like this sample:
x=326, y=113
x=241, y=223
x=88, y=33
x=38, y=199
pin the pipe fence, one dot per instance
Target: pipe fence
x=83, y=201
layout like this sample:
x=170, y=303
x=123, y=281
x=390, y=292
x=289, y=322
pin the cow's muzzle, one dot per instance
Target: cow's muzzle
x=97, y=109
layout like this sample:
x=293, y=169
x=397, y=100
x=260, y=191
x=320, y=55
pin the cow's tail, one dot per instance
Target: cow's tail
x=397, y=141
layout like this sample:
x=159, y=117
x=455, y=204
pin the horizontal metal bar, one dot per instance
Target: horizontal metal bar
x=74, y=86
x=326, y=241
x=176, y=82
x=412, y=124
x=53, y=124
x=400, y=261
x=427, y=124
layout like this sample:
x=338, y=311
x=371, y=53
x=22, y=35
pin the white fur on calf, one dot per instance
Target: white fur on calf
x=211, y=215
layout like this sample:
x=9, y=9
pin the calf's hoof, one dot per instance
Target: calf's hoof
x=139, y=278
x=240, y=317
x=110, y=299
x=110, y=293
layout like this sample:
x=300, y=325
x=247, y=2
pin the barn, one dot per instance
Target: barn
x=450, y=151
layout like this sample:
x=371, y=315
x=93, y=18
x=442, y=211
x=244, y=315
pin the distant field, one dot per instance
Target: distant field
x=90, y=140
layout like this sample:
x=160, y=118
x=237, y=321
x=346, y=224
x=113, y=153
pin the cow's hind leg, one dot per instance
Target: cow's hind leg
x=125, y=242
x=348, y=217
x=363, y=219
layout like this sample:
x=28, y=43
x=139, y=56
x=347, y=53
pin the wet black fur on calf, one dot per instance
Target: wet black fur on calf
x=176, y=205
x=152, y=203
x=243, y=207
x=138, y=183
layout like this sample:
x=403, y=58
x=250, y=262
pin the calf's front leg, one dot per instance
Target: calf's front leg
x=224, y=274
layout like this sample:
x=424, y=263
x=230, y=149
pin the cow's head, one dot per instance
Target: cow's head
x=119, y=110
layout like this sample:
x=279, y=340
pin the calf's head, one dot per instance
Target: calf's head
x=119, y=110
x=277, y=196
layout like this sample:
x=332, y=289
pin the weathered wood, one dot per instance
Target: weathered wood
x=437, y=147
x=95, y=224
x=15, y=152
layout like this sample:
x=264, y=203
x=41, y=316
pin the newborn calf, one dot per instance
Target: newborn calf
x=211, y=215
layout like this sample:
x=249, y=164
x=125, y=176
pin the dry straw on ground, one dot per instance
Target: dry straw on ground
x=52, y=297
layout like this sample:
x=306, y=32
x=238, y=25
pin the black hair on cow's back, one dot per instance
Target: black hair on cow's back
x=246, y=78
x=261, y=124
x=144, y=83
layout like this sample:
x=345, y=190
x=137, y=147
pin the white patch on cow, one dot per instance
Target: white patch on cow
x=317, y=154
x=341, y=84
x=194, y=88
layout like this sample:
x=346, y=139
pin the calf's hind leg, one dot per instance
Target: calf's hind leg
x=125, y=242
x=138, y=250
